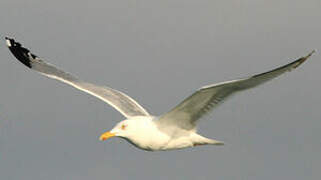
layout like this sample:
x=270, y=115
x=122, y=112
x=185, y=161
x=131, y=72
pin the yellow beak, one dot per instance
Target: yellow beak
x=106, y=136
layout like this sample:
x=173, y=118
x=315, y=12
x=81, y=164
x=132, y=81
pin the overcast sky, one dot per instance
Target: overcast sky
x=159, y=52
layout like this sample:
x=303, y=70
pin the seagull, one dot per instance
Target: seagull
x=175, y=129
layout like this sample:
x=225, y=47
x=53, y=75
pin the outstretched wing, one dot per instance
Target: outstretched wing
x=205, y=99
x=120, y=101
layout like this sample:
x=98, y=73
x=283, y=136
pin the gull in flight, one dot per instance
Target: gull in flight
x=175, y=129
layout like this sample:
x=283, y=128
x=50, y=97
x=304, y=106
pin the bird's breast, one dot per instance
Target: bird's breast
x=149, y=137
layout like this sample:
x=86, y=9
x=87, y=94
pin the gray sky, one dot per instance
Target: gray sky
x=159, y=52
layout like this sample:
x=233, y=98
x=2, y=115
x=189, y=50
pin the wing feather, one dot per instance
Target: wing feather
x=208, y=97
x=120, y=101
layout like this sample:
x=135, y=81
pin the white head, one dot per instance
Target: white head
x=123, y=129
x=138, y=130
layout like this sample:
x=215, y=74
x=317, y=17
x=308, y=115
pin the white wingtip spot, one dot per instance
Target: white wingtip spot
x=8, y=43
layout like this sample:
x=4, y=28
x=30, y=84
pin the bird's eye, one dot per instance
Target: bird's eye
x=123, y=127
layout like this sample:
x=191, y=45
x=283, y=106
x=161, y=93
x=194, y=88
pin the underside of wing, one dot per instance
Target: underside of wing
x=205, y=99
x=120, y=101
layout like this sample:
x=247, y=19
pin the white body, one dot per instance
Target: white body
x=145, y=133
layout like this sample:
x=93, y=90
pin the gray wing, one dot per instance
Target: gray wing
x=205, y=99
x=120, y=101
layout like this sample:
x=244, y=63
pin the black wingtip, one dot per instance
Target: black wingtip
x=312, y=52
x=303, y=59
x=21, y=53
